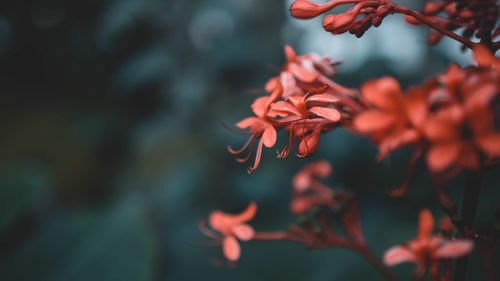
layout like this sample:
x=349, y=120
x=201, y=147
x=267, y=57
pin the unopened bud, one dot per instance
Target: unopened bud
x=434, y=37
x=466, y=14
x=304, y=9
x=383, y=10
x=412, y=20
x=339, y=23
x=433, y=8
x=451, y=8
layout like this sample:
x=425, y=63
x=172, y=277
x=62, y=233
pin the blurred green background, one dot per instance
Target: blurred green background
x=112, y=145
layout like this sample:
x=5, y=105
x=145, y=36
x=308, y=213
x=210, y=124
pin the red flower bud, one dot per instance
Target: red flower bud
x=304, y=9
x=339, y=23
x=451, y=8
x=434, y=37
x=383, y=11
x=466, y=14
x=434, y=7
x=412, y=20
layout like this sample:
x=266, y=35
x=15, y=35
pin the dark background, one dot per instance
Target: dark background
x=112, y=145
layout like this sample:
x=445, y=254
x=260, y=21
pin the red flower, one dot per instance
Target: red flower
x=308, y=191
x=233, y=228
x=391, y=120
x=426, y=249
x=261, y=129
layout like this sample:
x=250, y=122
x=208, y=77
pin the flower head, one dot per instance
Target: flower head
x=232, y=228
x=427, y=249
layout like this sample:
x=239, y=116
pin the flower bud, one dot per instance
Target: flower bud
x=339, y=23
x=412, y=20
x=304, y=9
x=434, y=37
x=383, y=11
x=309, y=145
x=433, y=8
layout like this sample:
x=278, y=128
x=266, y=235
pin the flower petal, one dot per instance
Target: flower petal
x=301, y=74
x=398, y=254
x=323, y=98
x=373, y=120
x=244, y=232
x=425, y=224
x=490, y=144
x=247, y=122
x=384, y=93
x=441, y=156
x=331, y=114
x=286, y=107
x=248, y=213
x=269, y=136
x=454, y=249
x=231, y=248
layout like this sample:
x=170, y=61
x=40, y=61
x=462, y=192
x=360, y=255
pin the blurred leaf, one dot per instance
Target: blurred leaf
x=112, y=244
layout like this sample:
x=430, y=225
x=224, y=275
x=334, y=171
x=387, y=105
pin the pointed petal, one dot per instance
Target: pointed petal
x=244, y=232
x=441, y=156
x=260, y=106
x=425, y=224
x=373, y=120
x=398, y=254
x=454, y=249
x=220, y=221
x=288, y=83
x=231, y=248
x=331, y=114
x=269, y=136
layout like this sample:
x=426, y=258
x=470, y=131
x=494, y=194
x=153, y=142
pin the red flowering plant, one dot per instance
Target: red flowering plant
x=450, y=121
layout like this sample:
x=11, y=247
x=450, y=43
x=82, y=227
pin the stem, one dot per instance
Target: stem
x=373, y=260
x=472, y=188
x=434, y=25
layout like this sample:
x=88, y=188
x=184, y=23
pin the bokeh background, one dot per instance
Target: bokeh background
x=112, y=147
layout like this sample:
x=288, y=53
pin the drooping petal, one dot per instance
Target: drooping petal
x=288, y=83
x=398, y=254
x=231, y=248
x=454, y=249
x=373, y=120
x=244, y=232
x=269, y=136
x=384, y=93
x=441, y=156
x=425, y=224
x=259, y=106
x=309, y=144
x=331, y=114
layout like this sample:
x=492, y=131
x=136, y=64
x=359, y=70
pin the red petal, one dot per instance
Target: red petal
x=289, y=53
x=373, y=120
x=490, y=144
x=384, y=93
x=259, y=106
x=244, y=232
x=248, y=213
x=331, y=114
x=288, y=83
x=231, y=248
x=454, y=249
x=284, y=106
x=441, y=156
x=269, y=136
x=323, y=98
x=397, y=255
x=301, y=74
x=425, y=224
x=483, y=56
x=247, y=122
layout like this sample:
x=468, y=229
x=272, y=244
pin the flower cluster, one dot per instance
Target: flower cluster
x=451, y=116
x=301, y=100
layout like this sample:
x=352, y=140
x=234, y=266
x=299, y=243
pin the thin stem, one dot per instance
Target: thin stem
x=472, y=188
x=436, y=26
x=375, y=262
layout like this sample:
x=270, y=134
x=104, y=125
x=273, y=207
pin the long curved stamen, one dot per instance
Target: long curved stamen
x=232, y=151
x=257, y=157
x=245, y=159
